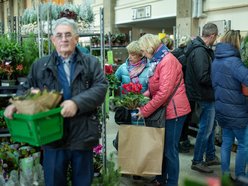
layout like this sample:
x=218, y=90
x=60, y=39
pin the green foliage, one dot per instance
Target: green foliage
x=131, y=100
x=131, y=97
x=114, y=83
x=31, y=52
x=84, y=12
x=11, y=57
x=10, y=50
x=244, y=50
x=110, y=176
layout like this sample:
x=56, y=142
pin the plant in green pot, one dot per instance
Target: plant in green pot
x=244, y=57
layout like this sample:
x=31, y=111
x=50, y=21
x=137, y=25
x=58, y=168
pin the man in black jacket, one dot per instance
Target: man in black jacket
x=84, y=86
x=199, y=89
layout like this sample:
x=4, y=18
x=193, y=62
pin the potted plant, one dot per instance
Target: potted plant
x=30, y=50
x=97, y=160
x=131, y=99
x=11, y=59
x=114, y=83
x=244, y=57
x=110, y=176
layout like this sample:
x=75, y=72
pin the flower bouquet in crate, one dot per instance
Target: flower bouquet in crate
x=37, y=120
x=35, y=101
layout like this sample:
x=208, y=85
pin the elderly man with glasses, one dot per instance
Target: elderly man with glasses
x=83, y=84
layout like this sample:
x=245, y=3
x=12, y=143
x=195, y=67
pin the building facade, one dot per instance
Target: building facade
x=180, y=17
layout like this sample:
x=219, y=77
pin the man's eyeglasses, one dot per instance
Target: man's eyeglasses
x=67, y=36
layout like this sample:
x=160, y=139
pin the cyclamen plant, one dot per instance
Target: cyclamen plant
x=131, y=96
x=97, y=158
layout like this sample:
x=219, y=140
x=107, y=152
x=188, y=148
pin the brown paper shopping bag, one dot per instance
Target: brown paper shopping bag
x=140, y=150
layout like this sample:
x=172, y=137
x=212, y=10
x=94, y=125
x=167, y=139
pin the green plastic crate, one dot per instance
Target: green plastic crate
x=37, y=129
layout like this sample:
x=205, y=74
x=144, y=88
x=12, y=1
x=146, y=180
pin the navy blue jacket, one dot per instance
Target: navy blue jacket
x=228, y=73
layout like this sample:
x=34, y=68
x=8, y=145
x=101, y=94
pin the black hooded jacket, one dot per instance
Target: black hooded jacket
x=198, y=72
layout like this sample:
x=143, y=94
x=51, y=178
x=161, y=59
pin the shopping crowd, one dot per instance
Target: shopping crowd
x=203, y=79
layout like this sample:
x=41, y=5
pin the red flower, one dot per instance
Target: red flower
x=132, y=88
x=131, y=96
x=108, y=69
x=19, y=67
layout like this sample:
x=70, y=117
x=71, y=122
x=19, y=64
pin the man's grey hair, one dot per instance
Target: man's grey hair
x=209, y=29
x=65, y=21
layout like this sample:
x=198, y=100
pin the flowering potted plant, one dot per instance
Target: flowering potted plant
x=131, y=96
x=97, y=159
x=11, y=59
x=9, y=73
x=131, y=99
x=112, y=79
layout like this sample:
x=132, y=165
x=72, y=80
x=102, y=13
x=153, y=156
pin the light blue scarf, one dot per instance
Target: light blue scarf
x=157, y=57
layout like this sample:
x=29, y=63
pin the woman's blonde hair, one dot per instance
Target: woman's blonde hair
x=149, y=43
x=233, y=37
x=134, y=48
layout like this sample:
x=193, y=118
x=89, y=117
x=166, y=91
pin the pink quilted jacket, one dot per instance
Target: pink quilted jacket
x=161, y=85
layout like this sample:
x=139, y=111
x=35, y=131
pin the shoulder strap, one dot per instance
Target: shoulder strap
x=174, y=91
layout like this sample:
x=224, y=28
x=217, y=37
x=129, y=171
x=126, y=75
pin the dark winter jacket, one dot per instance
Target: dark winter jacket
x=88, y=90
x=228, y=73
x=198, y=72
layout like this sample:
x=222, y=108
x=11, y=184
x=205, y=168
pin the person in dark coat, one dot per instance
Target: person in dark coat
x=84, y=87
x=228, y=73
x=199, y=90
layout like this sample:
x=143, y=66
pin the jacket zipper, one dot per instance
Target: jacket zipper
x=174, y=106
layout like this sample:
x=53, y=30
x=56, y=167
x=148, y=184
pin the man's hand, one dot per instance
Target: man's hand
x=69, y=108
x=9, y=111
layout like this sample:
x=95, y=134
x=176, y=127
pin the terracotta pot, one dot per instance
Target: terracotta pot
x=245, y=90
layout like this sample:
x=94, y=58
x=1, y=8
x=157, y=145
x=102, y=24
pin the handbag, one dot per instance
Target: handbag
x=133, y=158
x=157, y=118
x=122, y=116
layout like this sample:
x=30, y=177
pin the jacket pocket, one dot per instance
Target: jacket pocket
x=93, y=129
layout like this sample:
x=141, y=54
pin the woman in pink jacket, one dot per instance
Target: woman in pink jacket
x=164, y=75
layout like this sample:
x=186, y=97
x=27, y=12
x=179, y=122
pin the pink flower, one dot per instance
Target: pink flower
x=98, y=149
